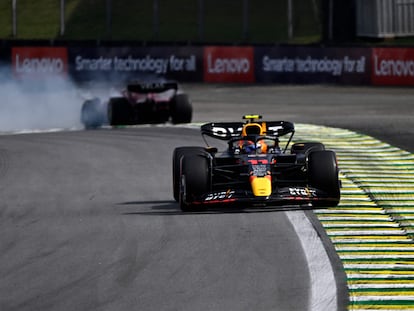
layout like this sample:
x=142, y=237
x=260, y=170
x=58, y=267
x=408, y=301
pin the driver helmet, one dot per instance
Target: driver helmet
x=254, y=129
x=249, y=147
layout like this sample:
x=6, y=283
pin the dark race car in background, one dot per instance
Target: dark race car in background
x=139, y=103
x=254, y=170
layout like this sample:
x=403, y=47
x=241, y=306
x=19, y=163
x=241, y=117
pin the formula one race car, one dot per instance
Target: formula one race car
x=138, y=103
x=254, y=170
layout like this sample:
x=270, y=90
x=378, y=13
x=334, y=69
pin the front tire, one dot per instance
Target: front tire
x=178, y=153
x=323, y=175
x=195, y=180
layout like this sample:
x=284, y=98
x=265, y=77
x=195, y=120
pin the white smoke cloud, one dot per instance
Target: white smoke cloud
x=39, y=104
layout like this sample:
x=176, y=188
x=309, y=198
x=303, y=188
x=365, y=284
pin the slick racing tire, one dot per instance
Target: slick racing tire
x=181, y=109
x=306, y=147
x=93, y=114
x=323, y=175
x=303, y=149
x=119, y=112
x=195, y=180
x=178, y=153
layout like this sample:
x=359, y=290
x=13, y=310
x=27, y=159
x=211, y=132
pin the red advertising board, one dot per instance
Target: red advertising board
x=228, y=64
x=35, y=62
x=392, y=66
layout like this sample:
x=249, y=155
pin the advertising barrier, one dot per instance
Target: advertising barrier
x=229, y=64
x=5, y=61
x=392, y=66
x=108, y=64
x=214, y=64
x=5, y=55
x=299, y=65
x=39, y=62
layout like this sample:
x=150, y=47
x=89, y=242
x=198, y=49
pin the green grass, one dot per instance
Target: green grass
x=272, y=24
x=178, y=21
x=31, y=17
x=84, y=19
x=6, y=27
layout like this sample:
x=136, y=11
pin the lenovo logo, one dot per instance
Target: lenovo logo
x=39, y=62
x=38, y=65
x=228, y=64
x=392, y=66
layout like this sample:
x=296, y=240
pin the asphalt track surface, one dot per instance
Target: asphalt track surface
x=88, y=221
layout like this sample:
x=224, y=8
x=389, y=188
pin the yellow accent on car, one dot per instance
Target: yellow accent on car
x=261, y=186
x=252, y=117
x=252, y=129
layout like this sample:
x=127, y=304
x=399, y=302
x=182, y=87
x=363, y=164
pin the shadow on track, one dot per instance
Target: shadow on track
x=171, y=208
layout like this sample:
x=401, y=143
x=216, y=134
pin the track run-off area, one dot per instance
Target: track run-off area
x=372, y=228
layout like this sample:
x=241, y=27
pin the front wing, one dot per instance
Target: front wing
x=283, y=196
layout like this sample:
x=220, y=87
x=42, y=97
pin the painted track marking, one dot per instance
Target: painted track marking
x=373, y=226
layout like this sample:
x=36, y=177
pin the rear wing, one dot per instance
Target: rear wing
x=152, y=87
x=229, y=130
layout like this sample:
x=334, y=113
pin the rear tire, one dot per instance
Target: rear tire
x=92, y=113
x=120, y=112
x=323, y=175
x=195, y=180
x=181, y=109
x=302, y=150
x=176, y=159
x=306, y=147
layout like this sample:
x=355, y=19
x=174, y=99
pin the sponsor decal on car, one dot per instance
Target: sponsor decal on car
x=35, y=62
x=392, y=66
x=219, y=196
x=228, y=64
x=302, y=192
x=224, y=131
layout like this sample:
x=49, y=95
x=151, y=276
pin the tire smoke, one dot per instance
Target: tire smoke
x=39, y=104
